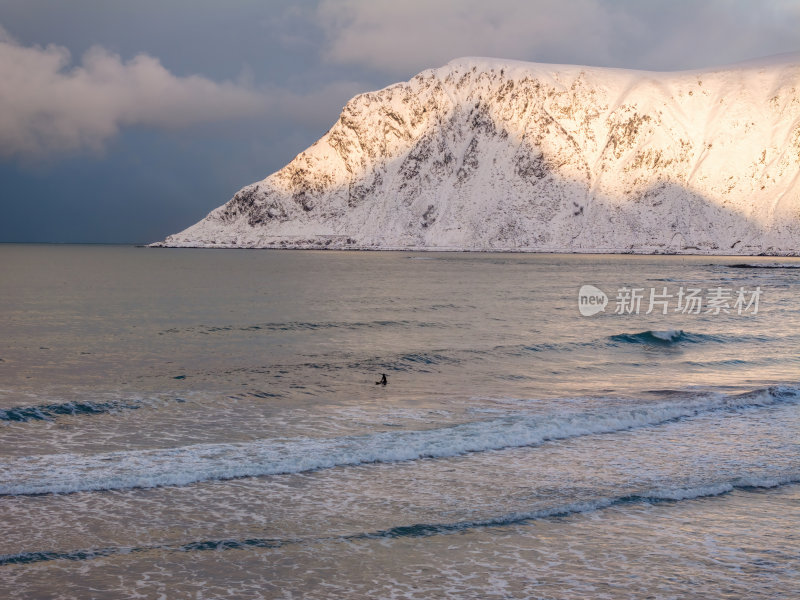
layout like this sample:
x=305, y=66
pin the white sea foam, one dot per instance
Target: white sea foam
x=63, y=473
x=669, y=335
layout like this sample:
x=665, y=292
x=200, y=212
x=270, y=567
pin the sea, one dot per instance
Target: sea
x=189, y=423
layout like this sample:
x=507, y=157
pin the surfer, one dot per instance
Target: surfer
x=383, y=380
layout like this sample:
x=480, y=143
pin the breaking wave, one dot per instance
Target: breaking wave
x=663, y=338
x=48, y=412
x=66, y=473
x=54, y=410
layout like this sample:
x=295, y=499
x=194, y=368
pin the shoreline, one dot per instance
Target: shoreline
x=460, y=250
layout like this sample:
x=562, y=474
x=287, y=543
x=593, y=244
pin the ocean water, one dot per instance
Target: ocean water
x=206, y=424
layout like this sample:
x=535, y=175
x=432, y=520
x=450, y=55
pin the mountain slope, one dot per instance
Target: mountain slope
x=500, y=155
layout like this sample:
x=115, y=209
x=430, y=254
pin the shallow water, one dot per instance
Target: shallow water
x=196, y=423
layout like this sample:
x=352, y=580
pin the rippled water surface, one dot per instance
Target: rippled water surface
x=206, y=424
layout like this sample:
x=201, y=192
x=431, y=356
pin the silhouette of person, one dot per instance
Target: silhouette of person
x=383, y=380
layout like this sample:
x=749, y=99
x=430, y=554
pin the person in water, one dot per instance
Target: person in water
x=383, y=380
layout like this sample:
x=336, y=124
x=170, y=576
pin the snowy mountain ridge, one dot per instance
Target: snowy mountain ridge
x=485, y=154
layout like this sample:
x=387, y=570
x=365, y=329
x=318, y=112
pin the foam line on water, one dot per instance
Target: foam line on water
x=66, y=473
x=424, y=529
x=651, y=497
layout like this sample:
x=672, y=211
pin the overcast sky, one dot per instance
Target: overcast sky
x=125, y=121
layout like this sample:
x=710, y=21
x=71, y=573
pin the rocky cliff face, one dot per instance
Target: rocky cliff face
x=500, y=155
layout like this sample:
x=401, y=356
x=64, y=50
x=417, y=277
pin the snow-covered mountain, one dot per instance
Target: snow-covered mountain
x=486, y=154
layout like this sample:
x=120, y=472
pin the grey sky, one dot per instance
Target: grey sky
x=125, y=121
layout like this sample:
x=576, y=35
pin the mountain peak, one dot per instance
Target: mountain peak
x=489, y=154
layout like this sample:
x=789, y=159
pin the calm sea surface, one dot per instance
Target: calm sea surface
x=206, y=424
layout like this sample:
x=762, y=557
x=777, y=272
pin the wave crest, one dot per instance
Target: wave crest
x=65, y=473
x=666, y=337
